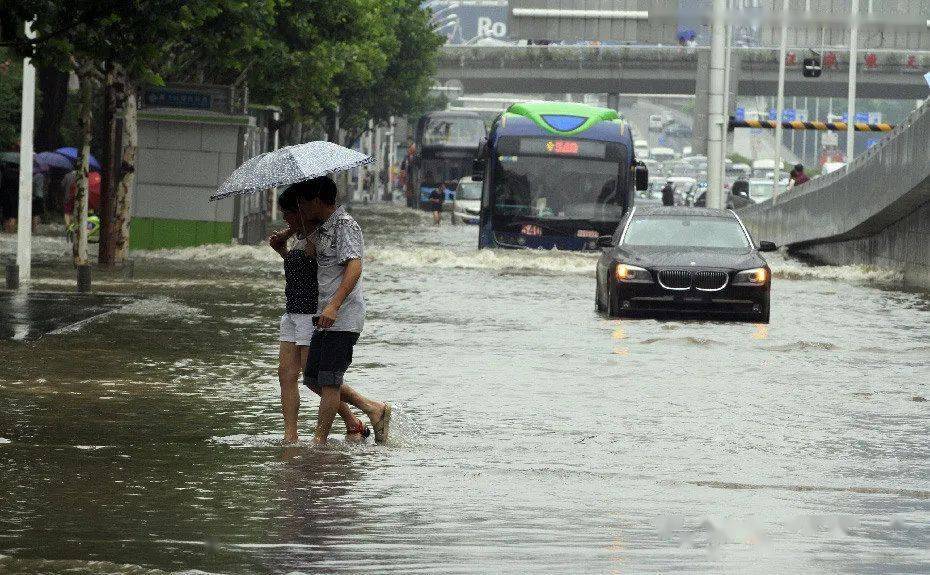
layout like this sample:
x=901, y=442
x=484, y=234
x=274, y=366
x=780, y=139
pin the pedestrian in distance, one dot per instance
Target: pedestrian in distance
x=668, y=194
x=339, y=251
x=436, y=198
x=301, y=294
x=799, y=176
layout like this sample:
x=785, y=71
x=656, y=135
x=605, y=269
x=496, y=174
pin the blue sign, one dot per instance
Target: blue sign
x=787, y=114
x=471, y=20
x=740, y=114
x=862, y=117
x=167, y=98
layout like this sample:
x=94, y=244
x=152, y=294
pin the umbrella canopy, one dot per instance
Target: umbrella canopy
x=73, y=154
x=290, y=165
x=54, y=160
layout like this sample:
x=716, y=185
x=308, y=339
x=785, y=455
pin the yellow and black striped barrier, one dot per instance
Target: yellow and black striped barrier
x=799, y=125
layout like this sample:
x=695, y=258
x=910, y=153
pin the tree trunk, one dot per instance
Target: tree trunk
x=53, y=87
x=80, y=198
x=124, y=190
x=113, y=96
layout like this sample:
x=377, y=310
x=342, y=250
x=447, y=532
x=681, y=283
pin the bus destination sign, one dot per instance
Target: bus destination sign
x=580, y=148
x=562, y=147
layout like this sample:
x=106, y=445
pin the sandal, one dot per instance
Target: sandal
x=360, y=429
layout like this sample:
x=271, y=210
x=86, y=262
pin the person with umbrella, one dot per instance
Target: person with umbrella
x=339, y=250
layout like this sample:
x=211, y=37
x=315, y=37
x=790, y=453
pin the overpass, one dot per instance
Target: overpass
x=876, y=211
x=886, y=74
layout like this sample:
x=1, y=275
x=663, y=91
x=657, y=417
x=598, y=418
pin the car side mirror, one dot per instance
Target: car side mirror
x=478, y=166
x=767, y=246
x=604, y=242
x=642, y=176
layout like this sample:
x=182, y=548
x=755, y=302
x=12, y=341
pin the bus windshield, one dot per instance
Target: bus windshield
x=569, y=188
x=459, y=132
x=438, y=170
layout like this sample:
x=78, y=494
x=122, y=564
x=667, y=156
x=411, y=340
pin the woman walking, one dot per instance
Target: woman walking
x=301, y=293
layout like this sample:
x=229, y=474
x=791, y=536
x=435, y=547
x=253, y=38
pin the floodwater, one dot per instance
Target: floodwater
x=530, y=434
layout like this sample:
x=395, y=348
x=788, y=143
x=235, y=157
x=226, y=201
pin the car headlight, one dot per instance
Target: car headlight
x=632, y=274
x=753, y=277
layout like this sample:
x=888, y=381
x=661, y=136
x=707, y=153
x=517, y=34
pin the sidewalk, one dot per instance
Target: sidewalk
x=29, y=315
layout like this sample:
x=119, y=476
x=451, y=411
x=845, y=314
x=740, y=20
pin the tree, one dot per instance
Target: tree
x=402, y=84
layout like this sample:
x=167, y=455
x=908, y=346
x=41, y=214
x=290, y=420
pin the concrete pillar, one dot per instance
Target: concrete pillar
x=701, y=103
x=613, y=101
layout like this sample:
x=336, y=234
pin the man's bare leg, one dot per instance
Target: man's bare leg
x=329, y=405
x=291, y=360
x=373, y=409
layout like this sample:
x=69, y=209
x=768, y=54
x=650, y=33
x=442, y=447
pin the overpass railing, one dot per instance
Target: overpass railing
x=877, y=60
x=878, y=188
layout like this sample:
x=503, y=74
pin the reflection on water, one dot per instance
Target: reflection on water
x=530, y=434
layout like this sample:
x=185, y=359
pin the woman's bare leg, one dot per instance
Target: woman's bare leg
x=289, y=368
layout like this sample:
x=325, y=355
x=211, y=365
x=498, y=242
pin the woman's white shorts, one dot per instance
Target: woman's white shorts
x=297, y=327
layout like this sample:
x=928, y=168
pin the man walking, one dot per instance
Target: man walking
x=340, y=248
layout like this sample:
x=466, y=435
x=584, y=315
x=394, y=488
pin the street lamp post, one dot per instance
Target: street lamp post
x=853, y=64
x=24, y=230
x=716, y=112
x=780, y=105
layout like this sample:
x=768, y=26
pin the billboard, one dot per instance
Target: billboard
x=468, y=21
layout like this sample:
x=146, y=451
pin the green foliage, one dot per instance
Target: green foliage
x=402, y=84
x=11, y=82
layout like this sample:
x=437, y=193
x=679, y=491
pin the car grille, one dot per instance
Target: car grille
x=675, y=279
x=711, y=281
x=703, y=280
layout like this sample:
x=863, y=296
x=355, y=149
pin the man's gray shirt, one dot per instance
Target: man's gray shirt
x=338, y=240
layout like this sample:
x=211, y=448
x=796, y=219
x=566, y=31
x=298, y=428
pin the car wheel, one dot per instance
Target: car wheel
x=613, y=307
x=598, y=306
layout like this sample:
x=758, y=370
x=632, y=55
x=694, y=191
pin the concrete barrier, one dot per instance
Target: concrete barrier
x=875, y=211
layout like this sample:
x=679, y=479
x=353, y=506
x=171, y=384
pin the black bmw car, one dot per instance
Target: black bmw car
x=676, y=261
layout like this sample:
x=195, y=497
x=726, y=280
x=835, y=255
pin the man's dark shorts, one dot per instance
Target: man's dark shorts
x=329, y=358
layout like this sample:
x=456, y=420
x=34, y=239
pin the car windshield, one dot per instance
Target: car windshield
x=685, y=231
x=562, y=188
x=468, y=191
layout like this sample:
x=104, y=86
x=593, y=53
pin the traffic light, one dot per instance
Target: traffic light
x=812, y=68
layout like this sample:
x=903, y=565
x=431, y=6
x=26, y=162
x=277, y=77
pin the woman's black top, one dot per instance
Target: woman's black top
x=301, y=287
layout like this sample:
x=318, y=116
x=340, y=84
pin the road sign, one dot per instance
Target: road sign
x=189, y=97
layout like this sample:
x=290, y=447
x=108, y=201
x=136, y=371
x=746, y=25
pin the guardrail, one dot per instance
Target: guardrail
x=880, y=187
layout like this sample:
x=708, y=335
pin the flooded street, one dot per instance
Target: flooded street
x=530, y=434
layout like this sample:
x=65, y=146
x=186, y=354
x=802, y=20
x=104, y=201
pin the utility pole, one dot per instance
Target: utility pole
x=780, y=106
x=853, y=64
x=27, y=125
x=715, y=116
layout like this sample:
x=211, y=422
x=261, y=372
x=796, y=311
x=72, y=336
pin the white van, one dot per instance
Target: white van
x=466, y=203
x=655, y=123
x=641, y=149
